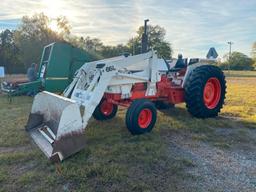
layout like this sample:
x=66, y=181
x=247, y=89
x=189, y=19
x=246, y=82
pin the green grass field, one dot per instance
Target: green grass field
x=114, y=160
x=240, y=73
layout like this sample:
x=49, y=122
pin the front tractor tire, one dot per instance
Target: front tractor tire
x=141, y=116
x=205, y=91
x=105, y=110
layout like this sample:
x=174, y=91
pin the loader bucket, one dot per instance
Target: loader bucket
x=55, y=125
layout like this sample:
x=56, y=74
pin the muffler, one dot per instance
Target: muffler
x=55, y=125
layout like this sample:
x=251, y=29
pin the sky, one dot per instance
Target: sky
x=192, y=26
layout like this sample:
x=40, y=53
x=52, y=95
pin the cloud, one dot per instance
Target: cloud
x=192, y=26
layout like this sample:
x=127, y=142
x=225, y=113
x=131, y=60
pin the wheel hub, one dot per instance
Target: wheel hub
x=106, y=108
x=145, y=118
x=212, y=93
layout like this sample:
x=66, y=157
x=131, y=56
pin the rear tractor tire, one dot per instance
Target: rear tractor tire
x=105, y=110
x=205, y=91
x=141, y=116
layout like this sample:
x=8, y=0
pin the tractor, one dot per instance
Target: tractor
x=142, y=83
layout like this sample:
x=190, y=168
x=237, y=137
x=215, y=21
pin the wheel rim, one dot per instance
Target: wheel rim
x=106, y=108
x=145, y=118
x=212, y=92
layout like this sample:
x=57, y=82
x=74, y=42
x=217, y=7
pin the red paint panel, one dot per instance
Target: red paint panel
x=176, y=95
x=166, y=91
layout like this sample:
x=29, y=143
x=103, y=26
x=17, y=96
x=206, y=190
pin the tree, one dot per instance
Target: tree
x=95, y=45
x=64, y=28
x=35, y=32
x=9, y=52
x=20, y=48
x=112, y=51
x=237, y=61
x=156, y=35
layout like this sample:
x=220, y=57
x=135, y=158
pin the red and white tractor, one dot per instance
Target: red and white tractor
x=142, y=83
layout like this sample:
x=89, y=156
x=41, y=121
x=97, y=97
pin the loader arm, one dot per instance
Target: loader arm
x=92, y=80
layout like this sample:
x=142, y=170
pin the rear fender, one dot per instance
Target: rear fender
x=190, y=69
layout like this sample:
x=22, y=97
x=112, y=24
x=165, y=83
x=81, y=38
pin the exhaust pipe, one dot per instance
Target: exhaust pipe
x=144, y=39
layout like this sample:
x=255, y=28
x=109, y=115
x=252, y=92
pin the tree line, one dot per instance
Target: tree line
x=239, y=61
x=23, y=46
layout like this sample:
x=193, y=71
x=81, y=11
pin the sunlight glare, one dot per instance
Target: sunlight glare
x=54, y=25
x=53, y=8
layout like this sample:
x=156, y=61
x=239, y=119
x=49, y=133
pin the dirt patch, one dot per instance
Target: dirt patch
x=216, y=169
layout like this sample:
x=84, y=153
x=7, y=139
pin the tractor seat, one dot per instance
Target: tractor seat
x=180, y=64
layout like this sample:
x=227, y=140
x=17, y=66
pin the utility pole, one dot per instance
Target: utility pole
x=230, y=51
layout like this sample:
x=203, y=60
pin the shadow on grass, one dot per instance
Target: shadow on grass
x=220, y=131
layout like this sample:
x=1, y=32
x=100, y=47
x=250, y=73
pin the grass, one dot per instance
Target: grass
x=114, y=160
x=240, y=73
x=241, y=99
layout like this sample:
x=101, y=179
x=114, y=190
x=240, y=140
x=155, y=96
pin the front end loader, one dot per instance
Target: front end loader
x=142, y=83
